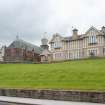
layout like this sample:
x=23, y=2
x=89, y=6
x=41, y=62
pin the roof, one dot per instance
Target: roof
x=18, y=43
x=79, y=37
x=70, y=38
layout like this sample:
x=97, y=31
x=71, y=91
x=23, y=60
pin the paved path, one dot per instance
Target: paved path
x=40, y=102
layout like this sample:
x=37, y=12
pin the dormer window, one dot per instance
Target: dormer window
x=92, y=39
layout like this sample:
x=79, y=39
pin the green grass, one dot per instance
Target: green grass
x=73, y=75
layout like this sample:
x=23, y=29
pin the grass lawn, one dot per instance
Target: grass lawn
x=73, y=75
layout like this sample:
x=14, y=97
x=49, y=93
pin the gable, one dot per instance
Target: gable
x=93, y=31
x=56, y=37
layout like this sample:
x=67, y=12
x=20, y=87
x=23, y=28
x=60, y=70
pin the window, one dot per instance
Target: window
x=92, y=39
x=57, y=44
x=52, y=45
x=93, y=52
x=58, y=55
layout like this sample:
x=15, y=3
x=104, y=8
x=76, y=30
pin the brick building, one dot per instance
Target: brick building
x=22, y=51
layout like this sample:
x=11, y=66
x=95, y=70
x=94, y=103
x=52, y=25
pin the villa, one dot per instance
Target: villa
x=89, y=44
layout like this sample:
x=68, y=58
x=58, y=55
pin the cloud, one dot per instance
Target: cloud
x=31, y=18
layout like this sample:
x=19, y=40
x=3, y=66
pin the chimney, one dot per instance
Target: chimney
x=75, y=33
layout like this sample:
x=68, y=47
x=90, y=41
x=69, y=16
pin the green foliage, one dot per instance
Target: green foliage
x=79, y=75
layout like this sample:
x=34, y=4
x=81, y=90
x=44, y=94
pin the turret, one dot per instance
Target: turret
x=44, y=43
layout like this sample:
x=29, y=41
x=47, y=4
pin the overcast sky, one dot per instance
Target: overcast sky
x=31, y=18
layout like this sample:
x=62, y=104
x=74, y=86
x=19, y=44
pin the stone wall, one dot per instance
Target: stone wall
x=80, y=96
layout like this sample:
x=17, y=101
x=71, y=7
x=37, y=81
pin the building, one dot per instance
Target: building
x=22, y=51
x=2, y=53
x=46, y=55
x=89, y=44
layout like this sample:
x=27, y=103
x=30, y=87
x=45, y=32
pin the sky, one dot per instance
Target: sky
x=30, y=19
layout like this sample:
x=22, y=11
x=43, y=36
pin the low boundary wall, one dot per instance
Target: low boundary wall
x=64, y=95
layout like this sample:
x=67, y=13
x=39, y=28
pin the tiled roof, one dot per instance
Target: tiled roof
x=71, y=38
x=18, y=43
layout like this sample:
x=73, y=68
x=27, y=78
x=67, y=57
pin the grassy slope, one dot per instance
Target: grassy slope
x=80, y=75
